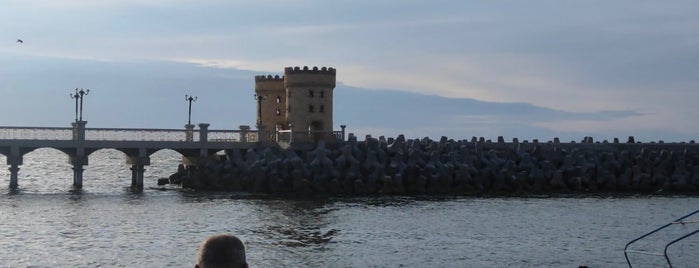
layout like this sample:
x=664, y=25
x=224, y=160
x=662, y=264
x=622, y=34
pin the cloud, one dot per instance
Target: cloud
x=149, y=94
x=581, y=57
x=265, y=67
x=81, y=5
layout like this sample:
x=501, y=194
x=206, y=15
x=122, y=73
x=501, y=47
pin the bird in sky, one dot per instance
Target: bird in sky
x=20, y=41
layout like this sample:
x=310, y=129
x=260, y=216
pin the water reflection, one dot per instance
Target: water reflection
x=75, y=192
x=291, y=233
x=298, y=223
x=278, y=222
x=13, y=191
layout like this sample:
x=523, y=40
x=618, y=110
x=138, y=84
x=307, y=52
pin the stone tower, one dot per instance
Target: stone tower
x=271, y=102
x=303, y=97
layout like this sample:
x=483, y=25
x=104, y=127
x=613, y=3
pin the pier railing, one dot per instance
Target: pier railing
x=138, y=134
x=286, y=135
x=36, y=133
x=154, y=134
x=224, y=135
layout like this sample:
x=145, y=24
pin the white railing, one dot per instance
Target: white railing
x=138, y=134
x=285, y=135
x=36, y=133
x=223, y=135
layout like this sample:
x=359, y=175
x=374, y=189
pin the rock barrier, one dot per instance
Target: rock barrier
x=399, y=166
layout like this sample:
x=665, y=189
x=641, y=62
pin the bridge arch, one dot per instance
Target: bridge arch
x=45, y=169
x=164, y=163
x=7, y=151
x=106, y=169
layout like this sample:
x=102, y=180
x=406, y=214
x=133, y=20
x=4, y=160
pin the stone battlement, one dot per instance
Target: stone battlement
x=269, y=83
x=305, y=69
x=309, y=77
x=268, y=78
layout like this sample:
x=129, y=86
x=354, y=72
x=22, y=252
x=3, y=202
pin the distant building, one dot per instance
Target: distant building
x=303, y=98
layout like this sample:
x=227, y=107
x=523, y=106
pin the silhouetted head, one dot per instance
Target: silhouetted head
x=221, y=251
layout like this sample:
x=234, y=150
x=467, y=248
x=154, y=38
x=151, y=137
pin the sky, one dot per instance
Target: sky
x=534, y=69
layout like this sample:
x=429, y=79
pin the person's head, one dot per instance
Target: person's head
x=221, y=251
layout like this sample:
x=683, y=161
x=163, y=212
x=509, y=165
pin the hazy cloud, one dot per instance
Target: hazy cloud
x=638, y=58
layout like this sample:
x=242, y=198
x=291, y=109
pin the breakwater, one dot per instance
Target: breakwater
x=399, y=166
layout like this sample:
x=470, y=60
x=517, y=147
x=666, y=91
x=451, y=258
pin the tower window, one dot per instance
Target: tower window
x=321, y=108
x=322, y=93
x=279, y=99
x=279, y=112
x=310, y=108
x=310, y=93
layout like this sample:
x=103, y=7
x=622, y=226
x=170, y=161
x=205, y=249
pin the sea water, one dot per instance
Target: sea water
x=48, y=224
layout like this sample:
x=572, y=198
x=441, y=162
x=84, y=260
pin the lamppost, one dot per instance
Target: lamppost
x=190, y=99
x=79, y=95
x=75, y=96
x=259, y=99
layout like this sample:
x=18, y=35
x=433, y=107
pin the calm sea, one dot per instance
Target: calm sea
x=46, y=224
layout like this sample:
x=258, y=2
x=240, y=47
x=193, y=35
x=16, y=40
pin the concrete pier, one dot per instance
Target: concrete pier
x=78, y=142
x=78, y=176
x=137, y=172
x=14, y=171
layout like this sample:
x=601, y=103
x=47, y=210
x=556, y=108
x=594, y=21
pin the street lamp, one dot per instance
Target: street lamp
x=190, y=99
x=79, y=95
x=259, y=99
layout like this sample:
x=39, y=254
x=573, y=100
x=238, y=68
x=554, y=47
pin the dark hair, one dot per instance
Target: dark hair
x=221, y=251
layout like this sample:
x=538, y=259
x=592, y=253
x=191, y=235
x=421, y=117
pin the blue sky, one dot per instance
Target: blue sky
x=600, y=68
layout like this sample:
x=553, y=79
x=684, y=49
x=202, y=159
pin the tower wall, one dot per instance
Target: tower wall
x=273, y=110
x=310, y=97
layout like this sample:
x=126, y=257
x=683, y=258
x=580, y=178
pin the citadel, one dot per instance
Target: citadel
x=300, y=101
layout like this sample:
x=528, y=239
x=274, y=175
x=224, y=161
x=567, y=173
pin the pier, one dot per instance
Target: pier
x=195, y=143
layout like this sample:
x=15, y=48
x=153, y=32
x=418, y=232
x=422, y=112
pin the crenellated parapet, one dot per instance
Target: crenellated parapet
x=269, y=83
x=309, y=77
x=305, y=69
x=270, y=77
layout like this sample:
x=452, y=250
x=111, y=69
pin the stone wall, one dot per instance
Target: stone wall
x=448, y=167
x=273, y=93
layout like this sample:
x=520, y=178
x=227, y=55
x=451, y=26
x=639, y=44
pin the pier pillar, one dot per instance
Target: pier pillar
x=203, y=139
x=79, y=130
x=14, y=171
x=78, y=176
x=291, y=133
x=189, y=132
x=14, y=160
x=261, y=134
x=78, y=160
x=244, y=129
x=203, y=132
x=138, y=160
x=276, y=133
x=137, y=172
x=343, y=131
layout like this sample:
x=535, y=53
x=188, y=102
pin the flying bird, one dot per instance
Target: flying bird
x=20, y=41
